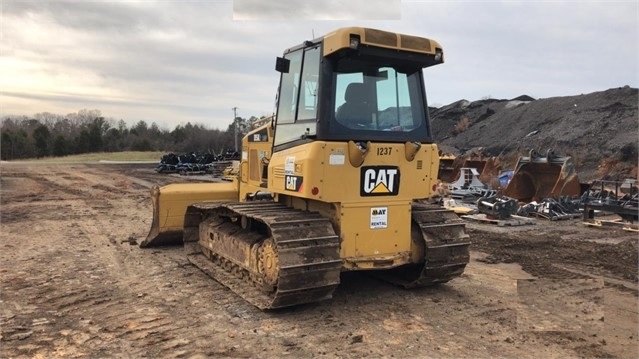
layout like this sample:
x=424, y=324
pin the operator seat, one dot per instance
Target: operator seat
x=356, y=110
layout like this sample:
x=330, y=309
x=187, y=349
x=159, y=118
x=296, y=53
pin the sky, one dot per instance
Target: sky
x=173, y=62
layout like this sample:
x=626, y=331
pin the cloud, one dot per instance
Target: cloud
x=316, y=10
x=189, y=61
x=542, y=49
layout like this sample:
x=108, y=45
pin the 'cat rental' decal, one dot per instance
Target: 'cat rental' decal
x=379, y=217
x=379, y=181
x=293, y=183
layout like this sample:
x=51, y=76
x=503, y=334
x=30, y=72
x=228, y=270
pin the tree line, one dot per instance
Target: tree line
x=46, y=134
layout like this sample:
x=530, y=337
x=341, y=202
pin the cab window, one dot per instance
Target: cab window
x=297, y=105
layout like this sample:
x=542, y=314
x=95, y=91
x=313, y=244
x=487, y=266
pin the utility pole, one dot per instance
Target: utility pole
x=235, y=126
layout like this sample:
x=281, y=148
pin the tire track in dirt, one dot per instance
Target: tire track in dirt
x=148, y=332
x=81, y=297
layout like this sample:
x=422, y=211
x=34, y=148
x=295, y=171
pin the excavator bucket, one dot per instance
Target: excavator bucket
x=450, y=165
x=475, y=162
x=170, y=203
x=537, y=177
x=447, y=171
x=490, y=172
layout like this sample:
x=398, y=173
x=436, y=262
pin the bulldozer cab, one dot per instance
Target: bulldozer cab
x=355, y=84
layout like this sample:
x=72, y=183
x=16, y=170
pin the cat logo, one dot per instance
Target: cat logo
x=379, y=181
x=293, y=183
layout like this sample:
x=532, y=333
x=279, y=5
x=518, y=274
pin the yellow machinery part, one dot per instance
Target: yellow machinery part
x=170, y=203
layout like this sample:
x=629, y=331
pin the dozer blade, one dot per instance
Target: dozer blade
x=537, y=177
x=170, y=203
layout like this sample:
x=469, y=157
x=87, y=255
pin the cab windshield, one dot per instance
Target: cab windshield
x=378, y=98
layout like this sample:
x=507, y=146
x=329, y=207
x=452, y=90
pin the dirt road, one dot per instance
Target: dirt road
x=75, y=284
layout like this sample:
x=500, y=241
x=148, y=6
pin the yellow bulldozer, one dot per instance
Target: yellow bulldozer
x=336, y=181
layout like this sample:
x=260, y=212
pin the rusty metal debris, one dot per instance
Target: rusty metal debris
x=487, y=168
x=468, y=187
x=541, y=186
x=447, y=172
x=618, y=197
x=552, y=209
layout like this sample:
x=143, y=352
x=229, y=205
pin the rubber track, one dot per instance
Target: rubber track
x=446, y=249
x=307, y=247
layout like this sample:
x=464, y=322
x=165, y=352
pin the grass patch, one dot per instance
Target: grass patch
x=101, y=156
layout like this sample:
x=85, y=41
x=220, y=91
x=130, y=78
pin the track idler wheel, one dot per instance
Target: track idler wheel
x=268, y=263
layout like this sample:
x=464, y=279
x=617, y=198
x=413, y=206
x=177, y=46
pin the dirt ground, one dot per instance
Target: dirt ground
x=75, y=284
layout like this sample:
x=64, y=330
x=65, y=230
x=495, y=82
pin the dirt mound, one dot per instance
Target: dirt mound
x=599, y=130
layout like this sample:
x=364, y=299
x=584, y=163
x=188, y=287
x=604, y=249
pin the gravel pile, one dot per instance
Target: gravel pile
x=599, y=130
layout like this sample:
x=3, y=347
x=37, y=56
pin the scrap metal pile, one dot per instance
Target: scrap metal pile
x=195, y=163
x=543, y=186
x=619, y=197
x=553, y=209
x=468, y=187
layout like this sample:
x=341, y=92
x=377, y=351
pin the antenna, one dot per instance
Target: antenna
x=313, y=33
